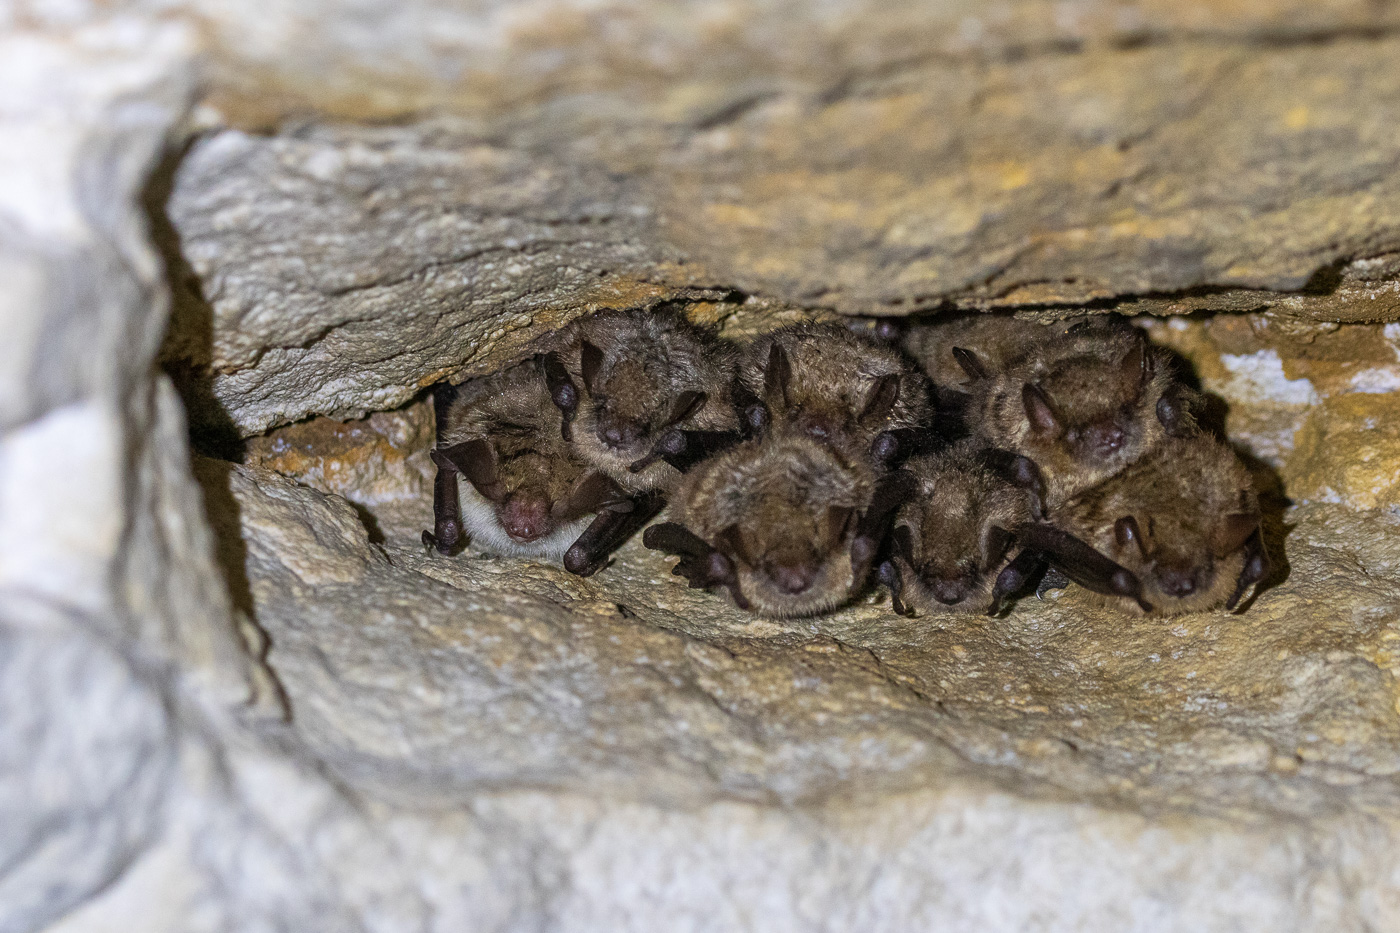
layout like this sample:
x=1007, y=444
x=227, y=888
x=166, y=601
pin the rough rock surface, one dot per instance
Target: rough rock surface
x=488, y=745
x=113, y=621
x=380, y=259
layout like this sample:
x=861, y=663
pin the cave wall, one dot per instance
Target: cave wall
x=226, y=707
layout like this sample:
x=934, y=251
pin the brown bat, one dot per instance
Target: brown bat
x=1185, y=520
x=839, y=387
x=786, y=523
x=643, y=394
x=992, y=342
x=954, y=536
x=1082, y=406
x=526, y=494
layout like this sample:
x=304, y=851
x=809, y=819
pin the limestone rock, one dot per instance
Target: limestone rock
x=494, y=745
x=632, y=682
x=422, y=682
x=114, y=624
x=423, y=256
x=379, y=463
x=695, y=64
x=1348, y=451
x=382, y=259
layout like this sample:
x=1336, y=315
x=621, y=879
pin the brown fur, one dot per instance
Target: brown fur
x=513, y=412
x=951, y=521
x=649, y=360
x=1104, y=405
x=833, y=374
x=997, y=340
x=784, y=501
x=1181, y=497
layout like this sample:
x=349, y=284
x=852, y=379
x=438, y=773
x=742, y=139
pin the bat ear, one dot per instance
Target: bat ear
x=1137, y=364
x=687, y=404
x=996, y=541
x=476, y=460
x=903, y=540
x=1040, y=410
x=591, y=362
x=880, y=401
x=1235, y=529
x=970, y=364
x=1028, y=476
x=589, y=495
x=778, y=376
x=444, y=394
x=731, y=541
x=1127, y=532
x=840, y=519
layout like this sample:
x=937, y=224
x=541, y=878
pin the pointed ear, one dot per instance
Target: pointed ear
x=1235, y=529
x=903, y=540
x=1127, y=533
x=591, y=362
x=1040, y=410
x=839, y=520
x=675, y=539
x=1137, y=364
x=970, y=364
x=996, y=541
x=778, y=376
x=476, y=460
x=589, y=495
x=1028, y=476
x=879, y=402
x=731, y=542
x=687, y=404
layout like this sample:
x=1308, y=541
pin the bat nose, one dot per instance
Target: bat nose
x=948, y=592
x=1177, y=582
x=1104, y=438
x=618, y=435
x=525, y=519
x=793, y=580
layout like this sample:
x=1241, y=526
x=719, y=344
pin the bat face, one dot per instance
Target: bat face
x=834, y=385
x=954, y=536
x=783, y=511
x=1185, y=521
x=528, y=515
x=1081, y=415
x=524, y=493
x=639, y=374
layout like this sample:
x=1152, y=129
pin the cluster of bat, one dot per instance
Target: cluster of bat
x=962, y=464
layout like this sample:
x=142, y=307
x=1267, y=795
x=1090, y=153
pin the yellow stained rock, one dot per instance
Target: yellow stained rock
x=1348, y=452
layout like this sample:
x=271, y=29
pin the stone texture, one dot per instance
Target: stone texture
x=1046, y=179
x=697, y=61
x=113, y=621
x=380, y=464
x=1348, y=451
x=1221, y=763
x=488, y=248
x=479, y=744
x=1288, y=708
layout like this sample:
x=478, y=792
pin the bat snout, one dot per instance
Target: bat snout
x=525, y=518
x=1104, y=438
x=620, y=435
x=1179, y=582
x=948, y=592
x=793, y=579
